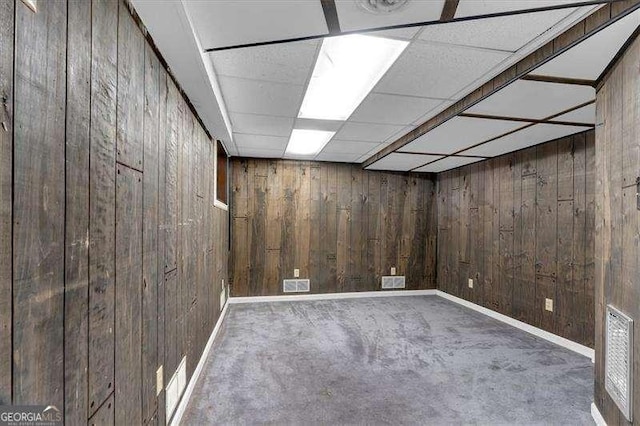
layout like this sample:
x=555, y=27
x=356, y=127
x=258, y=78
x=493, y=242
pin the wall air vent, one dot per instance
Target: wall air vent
x=393, y=282
x=296, y=286
x=619, y=359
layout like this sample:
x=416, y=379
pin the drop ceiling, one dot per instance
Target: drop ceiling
x=261, y=87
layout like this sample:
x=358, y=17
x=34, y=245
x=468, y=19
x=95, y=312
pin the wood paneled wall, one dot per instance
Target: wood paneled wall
x=342, y=226
x=618, y=216
x=522, y=227
x=111, y=250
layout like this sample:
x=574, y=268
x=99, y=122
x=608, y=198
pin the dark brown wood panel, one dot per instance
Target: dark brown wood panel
x=76, y=297
x=102, y=192
x=526, y=213
x=6, y=183
x=129, y=283
x=617, y=217
x=130, y=144
x=104, y=416
x=88, y=237
x=341, y=226
x=150, y=235
x=39, y=204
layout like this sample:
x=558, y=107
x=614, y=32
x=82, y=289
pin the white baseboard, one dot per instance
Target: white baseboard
x=553, y=338
x=597, y=417
x=186, y=396
x=329, y=296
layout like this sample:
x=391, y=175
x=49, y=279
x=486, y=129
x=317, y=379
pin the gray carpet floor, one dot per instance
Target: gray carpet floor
x=391, y=360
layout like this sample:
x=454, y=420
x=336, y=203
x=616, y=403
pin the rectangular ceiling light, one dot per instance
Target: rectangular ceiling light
x=346, y=70
x=307, y=143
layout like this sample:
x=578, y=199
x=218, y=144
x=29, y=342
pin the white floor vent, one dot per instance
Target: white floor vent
x=296, y=286
x=393, y=282
x=619, y=359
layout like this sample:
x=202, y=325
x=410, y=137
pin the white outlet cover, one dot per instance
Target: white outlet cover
x=470, y=282
x=393, y=270
x=548, y=304
x=296, y=273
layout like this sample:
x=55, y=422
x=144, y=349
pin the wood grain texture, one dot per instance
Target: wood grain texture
x=150, y=234
x=129, y=276
x=39, y=204
x=76, y=296
x=87, y=235
x=130, y=144
x=526, y=214
x=617, y=230
x=102, y=201
x=7, y=28
x=341, y=226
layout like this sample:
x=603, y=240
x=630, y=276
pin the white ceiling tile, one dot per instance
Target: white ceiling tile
x=283, y=63
x=337, y=157
x=534, y=99
x=400, y=33
x=260, y=97
x=402, y=162
x=436, y=70
x=437, y=110
x=260, y=142
x=336, y=146
x=398, y=134
x=393, y=109
x=261, y=124
x=504, y=33
x=588, y=59
x=586, y=114
x=530, y=136
x=447, y=164
x=485, y=7
x=366, y=131
x=223, y=23
x=260, y=153
x=314, y=124
x=458, y=133
x=353, y=17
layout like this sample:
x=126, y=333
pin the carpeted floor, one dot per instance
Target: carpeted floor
x=391, y=360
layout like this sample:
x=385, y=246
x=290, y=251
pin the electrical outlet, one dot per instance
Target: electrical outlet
x=470, y=282
x=548, y=304
x=296, y=273
x=159, y=381
x=393, y=270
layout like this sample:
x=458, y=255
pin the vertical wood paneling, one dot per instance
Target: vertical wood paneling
x=528, y=213
x=130, y=144
x=342, y=226
x=39, y=204
x=150, y=234
x=6, y=159
x=102, y=192
x=128, y=318
x=89, y=237
x=76, y=321
x=617, y=217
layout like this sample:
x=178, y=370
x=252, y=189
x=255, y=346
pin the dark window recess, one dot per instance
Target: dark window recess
x=222, y=174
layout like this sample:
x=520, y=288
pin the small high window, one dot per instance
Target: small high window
x=221, y=178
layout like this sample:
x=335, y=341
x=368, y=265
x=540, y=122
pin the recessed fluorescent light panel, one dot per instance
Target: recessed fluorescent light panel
x=346, y=70
x=307, y=143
